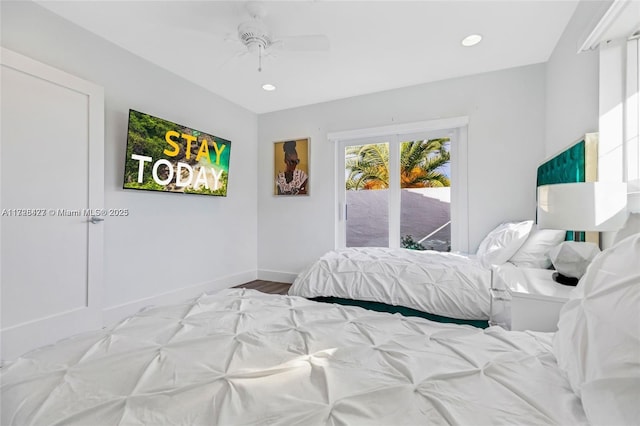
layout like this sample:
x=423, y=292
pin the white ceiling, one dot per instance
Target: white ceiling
x=374, y=45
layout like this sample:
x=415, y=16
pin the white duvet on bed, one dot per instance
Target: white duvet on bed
x=453, y=285
x=240, y=357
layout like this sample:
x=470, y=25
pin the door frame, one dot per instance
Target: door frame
x=21, y=337
x=456, y=128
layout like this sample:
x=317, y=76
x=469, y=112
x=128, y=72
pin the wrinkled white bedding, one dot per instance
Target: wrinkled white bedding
x=453, y=285
x=241, y=357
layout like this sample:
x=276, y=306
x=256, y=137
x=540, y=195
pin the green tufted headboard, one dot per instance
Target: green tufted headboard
x=578, y=163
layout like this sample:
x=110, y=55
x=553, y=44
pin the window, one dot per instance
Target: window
x=632, y=119
x=616, y=36
x=425, y=194
x=401, y=187
x=366, y=187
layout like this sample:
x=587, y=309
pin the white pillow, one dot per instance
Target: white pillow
x=503, y=242
x=534, y=253
x=598, y=340
x=572, y=258
x=631, y=226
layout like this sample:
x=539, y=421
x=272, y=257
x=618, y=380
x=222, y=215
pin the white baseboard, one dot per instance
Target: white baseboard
x=116, y=313
x=279, y=276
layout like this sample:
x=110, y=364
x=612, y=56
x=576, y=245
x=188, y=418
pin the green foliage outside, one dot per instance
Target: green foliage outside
x=408, y=242
x=421, y=165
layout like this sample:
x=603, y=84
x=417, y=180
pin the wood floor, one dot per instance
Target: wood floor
x=267, y=286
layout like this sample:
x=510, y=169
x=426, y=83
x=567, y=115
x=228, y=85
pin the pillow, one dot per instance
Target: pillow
x=534, y=253
x=503, y=242
x=597, y=344
x=631, y=226
x=571, y=258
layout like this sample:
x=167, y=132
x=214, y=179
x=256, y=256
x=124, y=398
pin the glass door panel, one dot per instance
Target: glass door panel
x=367, y=195
x=425, y=197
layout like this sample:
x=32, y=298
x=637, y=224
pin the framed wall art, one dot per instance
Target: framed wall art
x=169, y=157
x=291, y=167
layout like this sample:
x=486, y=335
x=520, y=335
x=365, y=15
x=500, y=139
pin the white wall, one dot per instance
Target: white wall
x=506, y=143
x=574, y=103
x=172, y=245
x=506, y=111
x=572, y=83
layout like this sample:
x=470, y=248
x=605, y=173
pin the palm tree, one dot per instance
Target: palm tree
x=419, y=164
x=368, y=165
x=420, y=161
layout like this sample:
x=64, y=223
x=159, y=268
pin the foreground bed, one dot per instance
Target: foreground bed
x=243, y=357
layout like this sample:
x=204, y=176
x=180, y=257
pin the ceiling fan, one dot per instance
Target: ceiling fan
x=257, y=37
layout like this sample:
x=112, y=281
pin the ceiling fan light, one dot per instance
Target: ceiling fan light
x=269, y=87
x=471, y=40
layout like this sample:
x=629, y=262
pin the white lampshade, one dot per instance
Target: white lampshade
x=583, y=206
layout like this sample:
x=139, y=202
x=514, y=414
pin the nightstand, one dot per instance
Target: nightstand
x=526, y=298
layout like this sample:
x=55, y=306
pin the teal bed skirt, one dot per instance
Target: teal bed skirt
x=408, y=312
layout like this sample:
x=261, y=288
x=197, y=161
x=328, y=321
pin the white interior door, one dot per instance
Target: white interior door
x=51, y=160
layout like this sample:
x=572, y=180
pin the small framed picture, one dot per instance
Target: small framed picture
x=291, y=167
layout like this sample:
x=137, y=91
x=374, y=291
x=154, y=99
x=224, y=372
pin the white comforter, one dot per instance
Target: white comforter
x=241, y=357
x=448, y=284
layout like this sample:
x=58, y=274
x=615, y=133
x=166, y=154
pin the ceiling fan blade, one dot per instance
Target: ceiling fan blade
x=302, y=43
x=220, y=65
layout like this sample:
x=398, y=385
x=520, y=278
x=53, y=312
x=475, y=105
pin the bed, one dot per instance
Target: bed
x=443, y=286
x=428, y=281
x=240, y=357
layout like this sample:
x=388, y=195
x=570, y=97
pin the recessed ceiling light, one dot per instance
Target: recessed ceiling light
x=269, y=87
x=471, y=40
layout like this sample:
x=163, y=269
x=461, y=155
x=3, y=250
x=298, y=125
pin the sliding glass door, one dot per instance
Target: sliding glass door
x=367, y=195
x=425, y=194
x=395, y=192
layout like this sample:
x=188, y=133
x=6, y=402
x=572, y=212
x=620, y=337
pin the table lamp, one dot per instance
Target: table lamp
x=581, y=206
